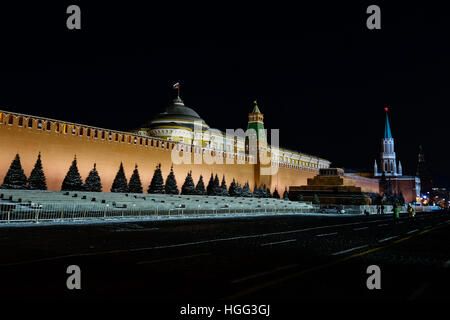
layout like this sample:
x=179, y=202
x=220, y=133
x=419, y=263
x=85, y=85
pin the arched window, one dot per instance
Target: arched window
x=103, y=135
x=11, y=119
x=73, y=130
x=39, y=124
x=58, y=127
x=88, y=132
x=49, y=125
x=30, y=123
x=81, y=131
x=96, y=133
x=20, y=121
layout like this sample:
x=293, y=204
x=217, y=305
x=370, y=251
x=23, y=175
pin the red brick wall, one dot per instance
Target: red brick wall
x=58, y=150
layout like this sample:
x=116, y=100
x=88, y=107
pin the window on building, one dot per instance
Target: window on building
x=81, y=132
x=109, y=136
x=11, y=119
x=146, y=142
x=1, y=117
x=116, y=137
x=103, y=135
x=57, y=128
x=74, y=130
x=96, y=134
x=30, y=123
x=65, y=129
x=123, y=138
x=88, y=133
x=39, y=124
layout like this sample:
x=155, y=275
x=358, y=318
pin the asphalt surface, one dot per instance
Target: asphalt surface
x=277, y=258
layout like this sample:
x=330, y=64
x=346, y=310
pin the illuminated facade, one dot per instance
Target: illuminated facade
x=178, y=129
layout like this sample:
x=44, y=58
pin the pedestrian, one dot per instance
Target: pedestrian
x=378, y=209
x=396, y=213
x=366, y=212
x=410, y=210
x=382, y=209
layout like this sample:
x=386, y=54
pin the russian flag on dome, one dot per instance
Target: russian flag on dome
x=176, y=85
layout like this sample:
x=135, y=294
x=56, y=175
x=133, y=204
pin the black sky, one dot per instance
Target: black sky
x=319, y=74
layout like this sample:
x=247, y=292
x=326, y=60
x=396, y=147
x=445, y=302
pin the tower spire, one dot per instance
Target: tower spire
x=387, y=127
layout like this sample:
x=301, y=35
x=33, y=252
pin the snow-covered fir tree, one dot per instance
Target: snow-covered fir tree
x=171, y=183
x=223, y=187
x=238, y=190
x=246, y=191
x=200, y=187
x=15, y=177
x=275, y=194
x=232, y=189
x=93, y=182
x=316, y=199
x=37, y=179
x=188, y=187
x=72, y=181
x=157, y=183
x=135, y=185
x=210, y=187
x=216, y=190
x=285, y=194
x=120, y=183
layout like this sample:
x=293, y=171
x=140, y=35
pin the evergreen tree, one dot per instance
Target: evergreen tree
x=223, y=187
x=171, y=183
x=188, y=187
x=135, y=185
x=246, y=193
x=93, y=182
x=255, y=192
x=265, y=192
x=72, y=181
x=37, y=179
x=232, y=190
x=210, y=187
x=120, y=183
x=316, y=199
x=285, y=194
x=15, y=177
x=200, y=188
x=217, y=190
x=275, y=194
x=238, y=190
x=157, y=183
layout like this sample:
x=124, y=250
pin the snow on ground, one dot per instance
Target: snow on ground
x=89, y=221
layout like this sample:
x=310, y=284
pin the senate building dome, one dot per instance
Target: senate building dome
x=177, y=123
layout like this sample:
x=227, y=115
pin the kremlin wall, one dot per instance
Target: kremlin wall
x=171, y=131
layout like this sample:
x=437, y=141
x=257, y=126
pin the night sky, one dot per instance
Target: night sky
x=320, y=76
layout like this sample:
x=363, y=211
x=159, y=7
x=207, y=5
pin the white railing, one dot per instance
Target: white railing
x=58, y=212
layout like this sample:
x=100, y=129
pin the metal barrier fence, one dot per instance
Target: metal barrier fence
x=59, y=213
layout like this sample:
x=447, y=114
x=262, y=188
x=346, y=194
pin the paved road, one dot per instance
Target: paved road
x=262, y=258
